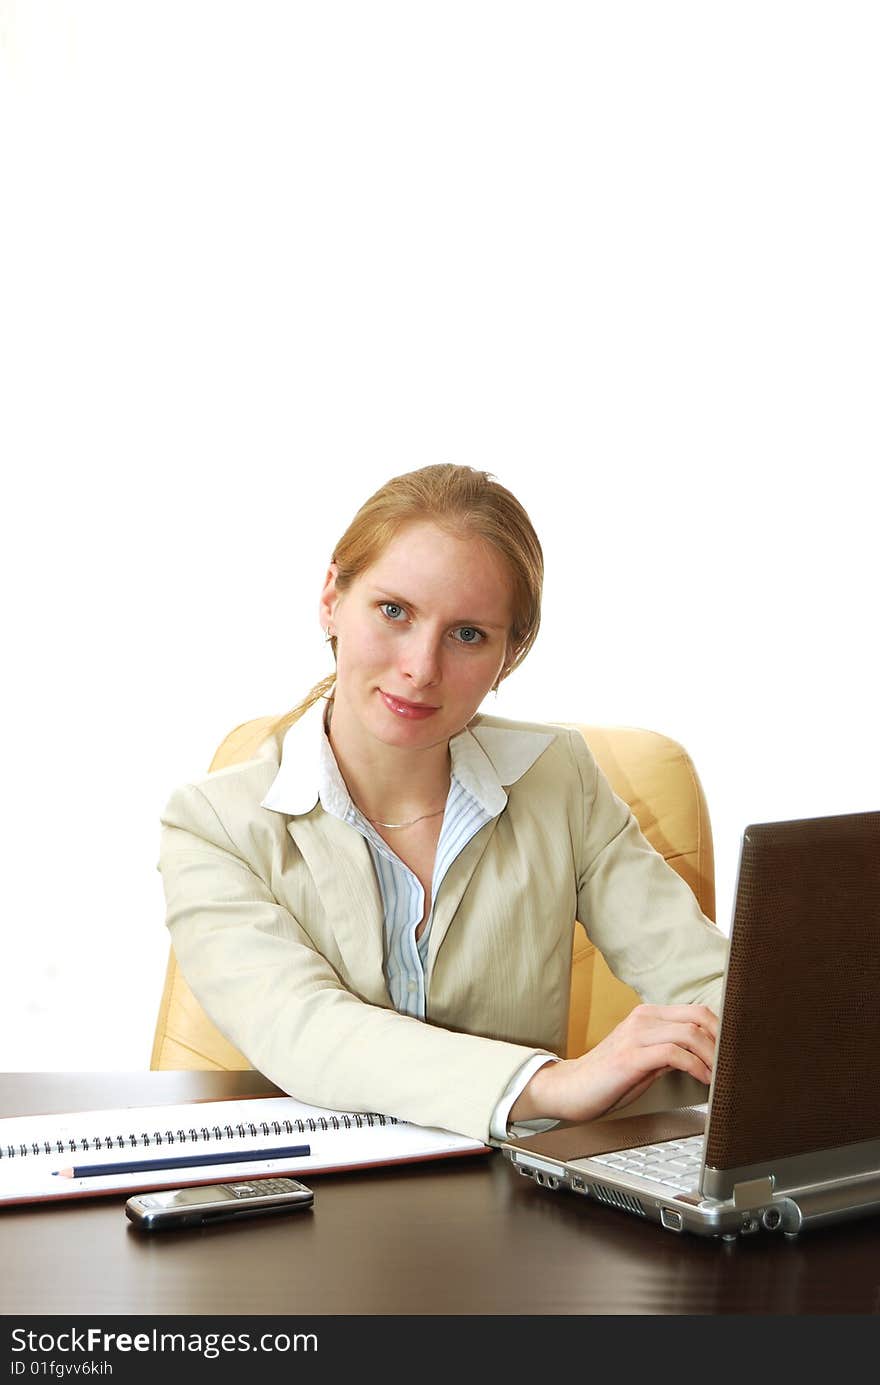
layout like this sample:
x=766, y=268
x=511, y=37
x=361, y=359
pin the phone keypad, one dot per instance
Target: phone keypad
x=260, y=1189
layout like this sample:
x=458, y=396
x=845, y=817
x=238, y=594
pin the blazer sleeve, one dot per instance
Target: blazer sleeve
x=261, y=980
x=642, y=916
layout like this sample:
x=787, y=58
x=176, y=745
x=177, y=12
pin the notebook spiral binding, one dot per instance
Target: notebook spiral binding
x=353, y=1121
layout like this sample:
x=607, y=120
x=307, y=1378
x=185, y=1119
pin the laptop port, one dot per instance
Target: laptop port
x=671, y=1219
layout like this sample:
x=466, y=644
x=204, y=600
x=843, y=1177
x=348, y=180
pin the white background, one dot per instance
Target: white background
x=258, y=259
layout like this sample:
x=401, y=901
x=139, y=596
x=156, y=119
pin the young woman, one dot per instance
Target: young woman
x=377, y=910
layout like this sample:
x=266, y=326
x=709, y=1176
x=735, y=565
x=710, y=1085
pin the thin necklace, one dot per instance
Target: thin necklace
x=377, y=823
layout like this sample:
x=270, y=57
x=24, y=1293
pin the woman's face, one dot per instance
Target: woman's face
x=424, y=628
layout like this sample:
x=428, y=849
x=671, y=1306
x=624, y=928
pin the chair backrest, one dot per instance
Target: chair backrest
x=652, y=773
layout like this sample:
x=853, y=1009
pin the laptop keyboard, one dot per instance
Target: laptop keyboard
x=674, y=1163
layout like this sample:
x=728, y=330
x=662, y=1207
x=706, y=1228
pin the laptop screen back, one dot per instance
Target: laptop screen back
x=799, y=1053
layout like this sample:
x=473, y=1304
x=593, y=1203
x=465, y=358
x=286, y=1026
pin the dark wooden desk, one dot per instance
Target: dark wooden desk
x=466, y=1236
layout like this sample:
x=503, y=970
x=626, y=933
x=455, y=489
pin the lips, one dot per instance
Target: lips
x=403, y=708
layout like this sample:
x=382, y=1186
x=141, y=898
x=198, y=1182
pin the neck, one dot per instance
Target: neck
x=390, y=784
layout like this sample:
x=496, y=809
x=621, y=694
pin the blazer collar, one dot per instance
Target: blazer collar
x=484, y=760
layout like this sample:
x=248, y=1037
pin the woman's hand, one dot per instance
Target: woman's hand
x=652, y=1040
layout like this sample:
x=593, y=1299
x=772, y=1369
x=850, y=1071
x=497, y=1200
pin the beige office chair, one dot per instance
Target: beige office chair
x=653, y=774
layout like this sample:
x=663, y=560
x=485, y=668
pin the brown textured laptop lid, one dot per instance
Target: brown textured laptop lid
x=798, y=1065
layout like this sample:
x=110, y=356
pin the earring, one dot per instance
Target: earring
x=328, y=635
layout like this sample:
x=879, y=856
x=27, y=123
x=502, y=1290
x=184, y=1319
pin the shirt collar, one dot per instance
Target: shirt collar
x=484, y=759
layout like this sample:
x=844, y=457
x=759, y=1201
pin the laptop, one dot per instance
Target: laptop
x=790, y=1135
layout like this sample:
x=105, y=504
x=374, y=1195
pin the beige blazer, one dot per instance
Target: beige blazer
x=277, y=923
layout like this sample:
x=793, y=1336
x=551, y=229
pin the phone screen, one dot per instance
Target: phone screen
x=188, y=1197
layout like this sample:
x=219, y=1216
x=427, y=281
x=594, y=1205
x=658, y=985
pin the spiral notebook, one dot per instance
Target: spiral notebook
x=34, y=1149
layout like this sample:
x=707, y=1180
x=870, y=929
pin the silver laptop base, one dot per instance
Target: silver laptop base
x=786, y=1212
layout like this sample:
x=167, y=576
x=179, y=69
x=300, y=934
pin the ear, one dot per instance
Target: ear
x=329, y=598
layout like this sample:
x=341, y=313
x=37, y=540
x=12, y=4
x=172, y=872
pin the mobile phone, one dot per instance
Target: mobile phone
x=167, y=1208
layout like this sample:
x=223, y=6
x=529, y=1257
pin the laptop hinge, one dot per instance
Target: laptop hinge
x=753, y=1192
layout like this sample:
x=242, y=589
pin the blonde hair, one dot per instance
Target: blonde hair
x=464, y=502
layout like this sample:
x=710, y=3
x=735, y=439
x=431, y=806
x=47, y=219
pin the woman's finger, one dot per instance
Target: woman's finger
x=682, y=1014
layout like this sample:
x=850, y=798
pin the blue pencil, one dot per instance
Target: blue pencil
x=184, y=1162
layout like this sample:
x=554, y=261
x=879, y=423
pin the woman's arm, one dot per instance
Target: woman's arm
x=646, y=922
x=640, y=913
x=263, y=982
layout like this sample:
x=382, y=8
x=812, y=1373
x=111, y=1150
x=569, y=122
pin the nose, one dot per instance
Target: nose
x=420, y=659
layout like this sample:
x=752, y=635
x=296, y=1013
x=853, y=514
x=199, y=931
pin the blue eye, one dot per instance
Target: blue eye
x=391, y=610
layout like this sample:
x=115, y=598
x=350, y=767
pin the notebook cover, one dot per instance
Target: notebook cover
x=30, y=1156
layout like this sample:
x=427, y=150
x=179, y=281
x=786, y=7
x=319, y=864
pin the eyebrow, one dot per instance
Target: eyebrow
x=458, y=620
